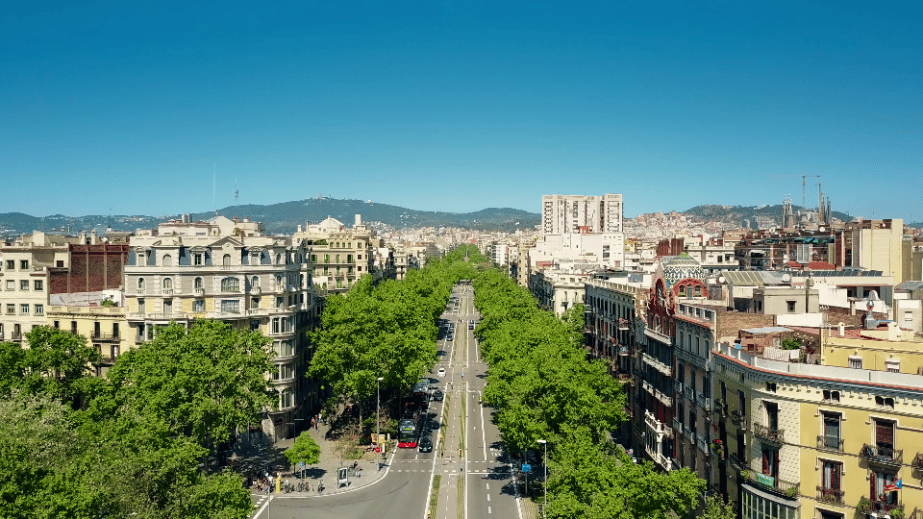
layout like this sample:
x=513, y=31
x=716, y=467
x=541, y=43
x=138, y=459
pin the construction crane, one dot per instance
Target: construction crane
x=804, y=184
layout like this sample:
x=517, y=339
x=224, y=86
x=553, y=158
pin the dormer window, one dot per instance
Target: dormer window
x=167, y=260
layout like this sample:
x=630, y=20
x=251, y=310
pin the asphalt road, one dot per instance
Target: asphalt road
x=474, y=479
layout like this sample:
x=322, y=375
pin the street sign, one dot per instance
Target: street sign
x=378, y=448
x=526, y=467
x=343, y=476
x=301, y=464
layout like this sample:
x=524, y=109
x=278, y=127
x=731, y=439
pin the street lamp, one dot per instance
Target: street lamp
x=545, y=506
x=378, y=419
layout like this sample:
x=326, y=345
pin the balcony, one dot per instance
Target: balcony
x=102, y=336
x=690, y=393
x=867, y=506
x=721, y=407
x=771, y=484
x=678, y=427
x=659, y=366
x=829, y=444
x=658, y=336
x=882, y=456
x=16, y=336
x=199, y=292
x=679, y=387
x=830, y=496
x=769, y=434
x=739, y=420
x=917, y=462
x=166, y=292
x=256, y=290
x=702, y=444
x=704, y=402
x=656, y=426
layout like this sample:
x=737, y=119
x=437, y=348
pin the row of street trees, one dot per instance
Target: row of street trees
x=129, y=444
x=543, y=387
x=386, y=330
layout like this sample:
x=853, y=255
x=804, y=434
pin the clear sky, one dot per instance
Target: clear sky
x=130, y=107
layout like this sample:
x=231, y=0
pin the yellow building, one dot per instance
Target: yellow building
x=105, y=327
x=819, y=442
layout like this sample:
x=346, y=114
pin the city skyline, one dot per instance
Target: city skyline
x=156, y=110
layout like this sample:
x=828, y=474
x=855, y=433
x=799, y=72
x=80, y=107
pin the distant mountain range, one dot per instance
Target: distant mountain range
x=285, y=217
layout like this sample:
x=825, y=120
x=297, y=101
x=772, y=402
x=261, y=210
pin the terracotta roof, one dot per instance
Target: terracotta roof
x=793, y=264
x=820, y=265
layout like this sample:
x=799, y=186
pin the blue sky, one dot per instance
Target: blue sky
x=459, y=106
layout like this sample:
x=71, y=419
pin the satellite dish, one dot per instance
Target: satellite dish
x=786, y=278
x=873, y=295
x=721, y=279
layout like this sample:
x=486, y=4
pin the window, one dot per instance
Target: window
x=39, y=309
x=280, y=302
x=197, y=259
x=831, y=477
x=24, y=309
x=10, y=265
x=772, y=415
x=791, y=306
x=167, y=284
x=771, y=462
x=879, y=482
x=10, y=285
x=286, y=349
x=230, y=285
x=115, y=351
x=167, y=260
x=226, y=260
x=24, y=285
x=198, y=305
x=278, y=259
x=831, y=396
x=881, y=401
x=855, y=362
x=38, y=285
x=230, y=305
x=832, y=431
x=197, y=284
x=140, y=284
x=255, y=282
x=893, y=365
x=275, y=325
x=23, y=264
x=141, y=308
x=771, y=387
x=287, y=398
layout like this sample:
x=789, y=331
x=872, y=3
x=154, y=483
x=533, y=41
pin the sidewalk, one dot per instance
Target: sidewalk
x=256, y=458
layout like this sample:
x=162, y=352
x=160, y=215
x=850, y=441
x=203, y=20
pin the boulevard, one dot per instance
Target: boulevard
x=475, y=479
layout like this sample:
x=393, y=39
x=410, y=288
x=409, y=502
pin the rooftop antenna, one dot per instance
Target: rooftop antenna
x=214, y=184
x=236, y=191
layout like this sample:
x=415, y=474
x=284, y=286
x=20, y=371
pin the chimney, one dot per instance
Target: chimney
x=299, y=228
x=358, y=220
x=93, y=237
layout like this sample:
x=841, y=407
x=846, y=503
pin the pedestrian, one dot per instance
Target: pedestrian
x=313, y=423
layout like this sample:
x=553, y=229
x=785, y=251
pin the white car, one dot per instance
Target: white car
x=441, y=372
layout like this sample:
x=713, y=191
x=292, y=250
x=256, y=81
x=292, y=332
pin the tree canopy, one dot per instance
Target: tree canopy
x=134, y=448
x=304, y=449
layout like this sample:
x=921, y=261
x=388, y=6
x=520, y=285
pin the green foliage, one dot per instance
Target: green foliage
x=54, y=364
x=716, y=508
x=791, y=344
x=203, y=383
x=388, y=330
x=305, y=449
x=543, y=387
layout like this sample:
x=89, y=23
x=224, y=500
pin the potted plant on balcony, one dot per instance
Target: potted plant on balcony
x=864, y=505
x=897, y=513
x=745, y=474
x=791, y=491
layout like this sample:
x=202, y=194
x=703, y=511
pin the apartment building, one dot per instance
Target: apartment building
x=38, y=265
x=230, y=271
x=565, y=214
x=98, y=316
x=339, y=255
x=815, y=441
x=558, y=290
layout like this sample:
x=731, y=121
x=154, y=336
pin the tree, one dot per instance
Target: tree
x=716, y=508
x=202, y=383
x=304, y=449
x=55, y=363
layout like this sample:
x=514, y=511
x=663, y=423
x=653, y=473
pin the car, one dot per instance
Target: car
x=437, y=395
x=425, y=445
x=441, y=372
